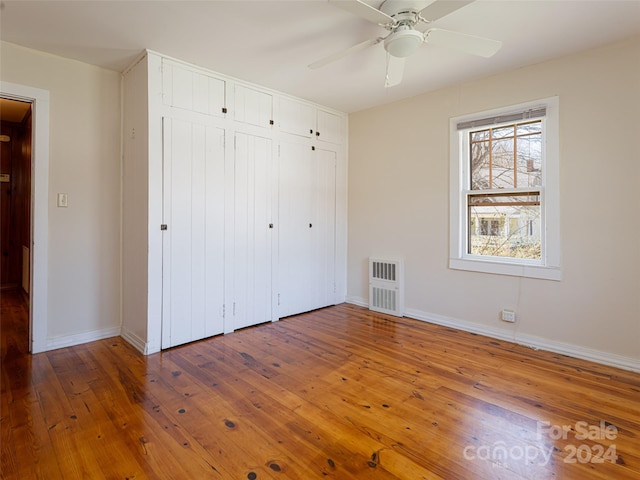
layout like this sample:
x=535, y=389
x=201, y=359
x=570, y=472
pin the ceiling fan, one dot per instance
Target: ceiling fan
x=408, y=24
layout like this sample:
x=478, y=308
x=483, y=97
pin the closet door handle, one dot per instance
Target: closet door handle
x=310, y=225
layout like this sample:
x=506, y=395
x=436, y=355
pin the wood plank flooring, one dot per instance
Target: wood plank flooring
x=340, y=393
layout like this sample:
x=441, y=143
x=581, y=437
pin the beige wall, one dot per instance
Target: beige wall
x=84, y=162
x=399, y=204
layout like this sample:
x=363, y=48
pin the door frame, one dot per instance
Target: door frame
x=38, y=287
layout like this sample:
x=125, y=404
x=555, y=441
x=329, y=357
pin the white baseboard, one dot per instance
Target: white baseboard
x=80, y=338
x=135, y=341
x=532, y=341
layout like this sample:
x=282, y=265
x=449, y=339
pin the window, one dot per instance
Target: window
x=505, y=176
x=504, y=191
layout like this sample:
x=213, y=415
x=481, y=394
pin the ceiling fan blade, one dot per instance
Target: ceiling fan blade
x=395, y=70
x=363, y=10
x=337, y=56
x=440, y=8
x=480, y=46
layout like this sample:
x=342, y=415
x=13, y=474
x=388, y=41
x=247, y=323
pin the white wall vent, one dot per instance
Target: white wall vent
x=386, y=286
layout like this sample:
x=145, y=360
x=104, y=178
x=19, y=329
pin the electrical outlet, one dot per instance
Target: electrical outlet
x=508, y=316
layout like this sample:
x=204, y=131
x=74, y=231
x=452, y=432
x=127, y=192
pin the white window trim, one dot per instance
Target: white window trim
x=549, y=267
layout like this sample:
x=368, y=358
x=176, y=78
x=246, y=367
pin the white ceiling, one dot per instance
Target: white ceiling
x=271, y=42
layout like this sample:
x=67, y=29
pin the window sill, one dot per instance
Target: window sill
x=499, y=268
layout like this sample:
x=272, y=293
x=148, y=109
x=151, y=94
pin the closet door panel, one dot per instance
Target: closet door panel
x=253, y=107
x=176, y=274
x=193, y=251
x=294, y=205
x=215, y=208
x=329, y=127
x=296, y=117
x=252, y=235
x=323, y=213
x=190, y=89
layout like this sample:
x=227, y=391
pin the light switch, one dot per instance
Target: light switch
x=63, y=200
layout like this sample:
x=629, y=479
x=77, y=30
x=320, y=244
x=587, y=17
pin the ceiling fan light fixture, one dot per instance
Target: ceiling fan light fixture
x=403, y=43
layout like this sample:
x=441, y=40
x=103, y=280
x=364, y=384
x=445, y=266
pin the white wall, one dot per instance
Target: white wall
x=399, y=206
x=135, y=207
x=84, y=162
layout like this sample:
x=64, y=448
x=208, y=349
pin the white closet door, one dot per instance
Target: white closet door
x=190, y=89
x=329, y=127
x=307, y=195
x=193, y=244
x=323, y=233
x=253, y=107
x=294, y=220
x=297, y=117
x=252, y=256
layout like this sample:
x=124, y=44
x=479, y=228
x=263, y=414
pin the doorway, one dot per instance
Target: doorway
x=15, y=207
x=26, y=177
x=15, y=194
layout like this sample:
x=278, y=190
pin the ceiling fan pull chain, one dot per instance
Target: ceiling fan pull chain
x=386, y=71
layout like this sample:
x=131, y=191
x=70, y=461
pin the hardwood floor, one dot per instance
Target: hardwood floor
x=340, y=392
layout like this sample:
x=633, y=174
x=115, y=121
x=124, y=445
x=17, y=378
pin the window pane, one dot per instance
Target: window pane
x=480, y=166
x=529, y=161
x=503, y=132
x=480, y=135
x=527, y=128
x=506, y=157
x=505, y=225
x=502, y=163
